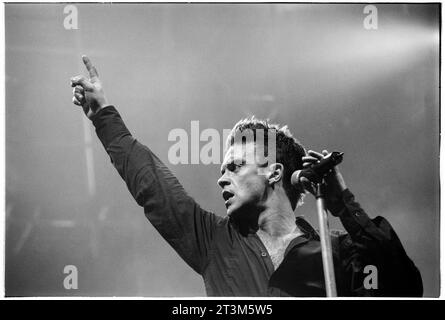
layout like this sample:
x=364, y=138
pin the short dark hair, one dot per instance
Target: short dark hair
x=289, y=151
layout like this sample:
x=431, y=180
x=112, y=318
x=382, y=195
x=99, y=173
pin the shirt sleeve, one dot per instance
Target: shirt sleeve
x=374, y=243
x=178, y=218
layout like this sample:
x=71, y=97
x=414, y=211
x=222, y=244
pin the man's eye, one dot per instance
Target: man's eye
x=231, y=167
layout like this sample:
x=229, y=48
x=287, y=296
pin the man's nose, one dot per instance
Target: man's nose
x=223, y=181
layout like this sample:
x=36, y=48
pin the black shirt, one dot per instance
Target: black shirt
x=233, y=264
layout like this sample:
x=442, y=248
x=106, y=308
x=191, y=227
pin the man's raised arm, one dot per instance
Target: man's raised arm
x=187, y=228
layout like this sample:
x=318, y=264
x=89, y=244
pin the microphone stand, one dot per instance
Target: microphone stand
x=326, y=246
x=315, y=174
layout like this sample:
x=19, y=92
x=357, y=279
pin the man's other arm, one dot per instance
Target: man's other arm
x=368, y=242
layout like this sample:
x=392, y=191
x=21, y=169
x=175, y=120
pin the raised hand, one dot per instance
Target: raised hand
x=88, y=93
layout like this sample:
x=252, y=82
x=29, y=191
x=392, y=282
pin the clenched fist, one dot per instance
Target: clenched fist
x=88, y=93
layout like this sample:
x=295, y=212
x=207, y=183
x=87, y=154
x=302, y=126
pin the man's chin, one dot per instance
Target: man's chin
x=235, y=209
x=230, y=211
x=244, y=219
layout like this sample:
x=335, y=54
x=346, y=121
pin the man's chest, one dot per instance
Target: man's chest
x=276, y=248
x=246, y=266
x=276, y=254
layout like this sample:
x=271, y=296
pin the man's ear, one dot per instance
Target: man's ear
x=276, y=171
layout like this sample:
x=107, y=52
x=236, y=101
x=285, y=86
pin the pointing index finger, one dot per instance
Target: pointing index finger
x=91, y=69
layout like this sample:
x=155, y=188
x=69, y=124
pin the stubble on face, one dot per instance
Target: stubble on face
x=246, y=178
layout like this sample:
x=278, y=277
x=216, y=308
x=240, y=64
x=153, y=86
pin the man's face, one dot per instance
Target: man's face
x=244, y=179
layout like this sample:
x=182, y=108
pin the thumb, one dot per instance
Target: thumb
x=308, y=185
x=82, y=81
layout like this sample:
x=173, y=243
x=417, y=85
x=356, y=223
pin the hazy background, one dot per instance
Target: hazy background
x=370, y=93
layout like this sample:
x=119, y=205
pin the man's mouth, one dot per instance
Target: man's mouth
x=227, y=195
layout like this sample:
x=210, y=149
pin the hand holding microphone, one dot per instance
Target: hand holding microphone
x=318, y=166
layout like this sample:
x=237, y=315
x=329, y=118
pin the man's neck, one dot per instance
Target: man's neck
x=277, y=219
x=276, y=231
x=276, y=224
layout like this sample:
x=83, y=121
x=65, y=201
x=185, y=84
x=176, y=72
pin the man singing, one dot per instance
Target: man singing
x=260, y=248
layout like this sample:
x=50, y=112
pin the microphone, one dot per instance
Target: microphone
x=317, y=171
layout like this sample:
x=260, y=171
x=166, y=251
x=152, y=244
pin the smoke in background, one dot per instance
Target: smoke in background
x=372, y=94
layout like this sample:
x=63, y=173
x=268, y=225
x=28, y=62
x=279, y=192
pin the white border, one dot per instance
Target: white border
x=2, y=173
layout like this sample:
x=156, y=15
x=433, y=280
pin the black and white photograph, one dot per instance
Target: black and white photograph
x=182, y=150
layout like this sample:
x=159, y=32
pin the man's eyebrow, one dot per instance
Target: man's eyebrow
x=224, y=165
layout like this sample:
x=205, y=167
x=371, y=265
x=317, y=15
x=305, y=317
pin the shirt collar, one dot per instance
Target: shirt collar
x=306, y=228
